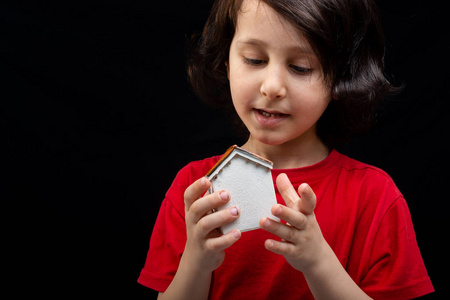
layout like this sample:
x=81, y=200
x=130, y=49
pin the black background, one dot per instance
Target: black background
x=97, y=118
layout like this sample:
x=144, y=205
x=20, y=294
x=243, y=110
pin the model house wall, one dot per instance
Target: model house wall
x=248, y=179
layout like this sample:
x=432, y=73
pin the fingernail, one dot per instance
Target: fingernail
x=266, y=223
x=278, y=212
x=224, y=195
x=234, y=211
x=306, y=187
x=237, y=234
x=203, y=181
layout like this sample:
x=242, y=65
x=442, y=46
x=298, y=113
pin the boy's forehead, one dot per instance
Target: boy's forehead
x=259, y=24
x=257, y=11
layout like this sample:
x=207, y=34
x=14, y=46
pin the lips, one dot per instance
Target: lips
x=269, y=117
x=270, y=114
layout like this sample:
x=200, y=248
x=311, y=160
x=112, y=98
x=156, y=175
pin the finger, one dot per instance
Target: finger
x=286, y=190
x=291, y=216
x=224, y=241
x=308, y=203
x=277, y=247
x=203, y=205
x=283, y=231
x=195, y=191
x=218, y=219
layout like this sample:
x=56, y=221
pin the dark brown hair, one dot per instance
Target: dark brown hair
x=347, y=38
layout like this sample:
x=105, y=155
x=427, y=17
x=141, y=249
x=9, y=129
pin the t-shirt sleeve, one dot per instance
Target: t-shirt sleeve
x=395, y=266
x=168, y=237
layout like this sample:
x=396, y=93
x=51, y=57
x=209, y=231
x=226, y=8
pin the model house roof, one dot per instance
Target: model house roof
x=231, y=153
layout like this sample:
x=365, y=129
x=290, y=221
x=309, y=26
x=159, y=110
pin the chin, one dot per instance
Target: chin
x=268, y=139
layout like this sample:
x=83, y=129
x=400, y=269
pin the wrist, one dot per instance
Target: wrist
x=325, y=262
x=195, y=263
x=190, y=281
x=327, y=279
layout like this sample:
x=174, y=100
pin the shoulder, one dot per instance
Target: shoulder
x=369, y=188
x=354, y=166
x=190, y=173
x=196, y=169
x=365, y=174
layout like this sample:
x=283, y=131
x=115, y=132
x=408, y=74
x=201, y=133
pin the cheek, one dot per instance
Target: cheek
x=242, y=88
x=316, y=105
x=313, y=102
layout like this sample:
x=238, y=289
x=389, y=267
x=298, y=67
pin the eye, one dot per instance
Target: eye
x=253, y=62
x=300, y=70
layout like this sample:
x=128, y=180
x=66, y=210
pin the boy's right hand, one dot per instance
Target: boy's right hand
x=205, y=245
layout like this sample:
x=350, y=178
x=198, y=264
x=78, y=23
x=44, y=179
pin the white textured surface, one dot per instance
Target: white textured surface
x=251, y=189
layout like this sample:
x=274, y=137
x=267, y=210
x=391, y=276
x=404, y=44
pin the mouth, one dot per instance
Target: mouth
x=268, y=117
x=270, y=114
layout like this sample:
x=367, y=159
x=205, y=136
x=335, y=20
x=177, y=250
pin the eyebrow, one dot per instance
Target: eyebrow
x=256, y=42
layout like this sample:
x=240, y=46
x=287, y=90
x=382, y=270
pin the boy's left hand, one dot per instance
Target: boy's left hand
x=302, y=244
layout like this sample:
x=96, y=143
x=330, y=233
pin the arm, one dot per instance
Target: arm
x=204, y=250
x=304, y=246
x=188, y=283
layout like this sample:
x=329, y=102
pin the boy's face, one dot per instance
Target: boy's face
x=276, y=80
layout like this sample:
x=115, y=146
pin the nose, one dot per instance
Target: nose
x=274, y=84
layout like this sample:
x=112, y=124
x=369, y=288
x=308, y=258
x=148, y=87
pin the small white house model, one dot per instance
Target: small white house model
x=247, y=177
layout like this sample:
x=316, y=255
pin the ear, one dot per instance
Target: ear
x=333, y=94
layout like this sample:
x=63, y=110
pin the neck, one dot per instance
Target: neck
x=292, y=154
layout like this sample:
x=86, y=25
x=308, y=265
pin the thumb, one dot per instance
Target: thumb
x=308, y=199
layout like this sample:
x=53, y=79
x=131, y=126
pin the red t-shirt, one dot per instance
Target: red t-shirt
x=362, y=215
